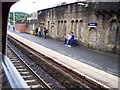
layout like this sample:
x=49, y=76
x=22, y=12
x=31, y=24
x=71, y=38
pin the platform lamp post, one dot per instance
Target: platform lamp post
x=29, y=23
x=33, y=16
x=14, y=18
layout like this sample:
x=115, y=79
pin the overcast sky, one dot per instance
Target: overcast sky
x=30, y=6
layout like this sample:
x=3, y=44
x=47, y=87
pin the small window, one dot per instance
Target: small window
x=81, y=21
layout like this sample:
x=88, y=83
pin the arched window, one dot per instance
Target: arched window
x=113, y=32
x=72, y=26
x=64, y=27
x=81, y=21
x=61, y=30
x=48, y=25
x=75, y=28
x=92, y=36
x=61, y=21
x=81, y=30
x=58, y=30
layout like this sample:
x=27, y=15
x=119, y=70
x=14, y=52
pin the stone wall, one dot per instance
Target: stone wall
x=75, y=17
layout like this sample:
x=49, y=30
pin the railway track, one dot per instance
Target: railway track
x=65, y=77
x=30, y=77
x=31, y=73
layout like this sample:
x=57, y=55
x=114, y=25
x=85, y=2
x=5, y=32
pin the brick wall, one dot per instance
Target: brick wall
x=20, y=27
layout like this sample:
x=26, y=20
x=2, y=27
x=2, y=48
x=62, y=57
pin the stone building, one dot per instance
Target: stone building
x=95, y=25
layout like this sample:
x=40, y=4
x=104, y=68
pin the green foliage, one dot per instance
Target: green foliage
x=17, y=17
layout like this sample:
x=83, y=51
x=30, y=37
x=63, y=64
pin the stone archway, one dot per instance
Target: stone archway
x=92, y=36
x=113, y=32
x=113, y=35
x=81, y=30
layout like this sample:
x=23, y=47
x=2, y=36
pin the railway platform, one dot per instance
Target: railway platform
x=99, y=67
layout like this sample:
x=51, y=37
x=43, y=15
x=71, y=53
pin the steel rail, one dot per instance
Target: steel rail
x=37, y=76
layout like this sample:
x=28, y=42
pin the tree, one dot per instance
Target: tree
x=17, y=17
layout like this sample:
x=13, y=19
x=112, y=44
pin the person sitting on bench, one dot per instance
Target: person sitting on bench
x=66, y=37
x=69, y=40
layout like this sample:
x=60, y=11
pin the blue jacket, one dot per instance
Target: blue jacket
x=72, y=38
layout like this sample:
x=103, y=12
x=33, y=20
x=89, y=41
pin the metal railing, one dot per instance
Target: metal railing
x=13, y=76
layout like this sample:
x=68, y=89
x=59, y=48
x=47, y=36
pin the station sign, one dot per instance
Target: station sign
x=92, y=24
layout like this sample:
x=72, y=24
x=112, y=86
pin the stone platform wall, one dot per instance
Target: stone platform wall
x=76, y=17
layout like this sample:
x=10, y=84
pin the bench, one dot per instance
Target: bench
x=74, y=42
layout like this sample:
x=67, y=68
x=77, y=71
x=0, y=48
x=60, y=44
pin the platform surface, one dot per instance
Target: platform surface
x=100, y=67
